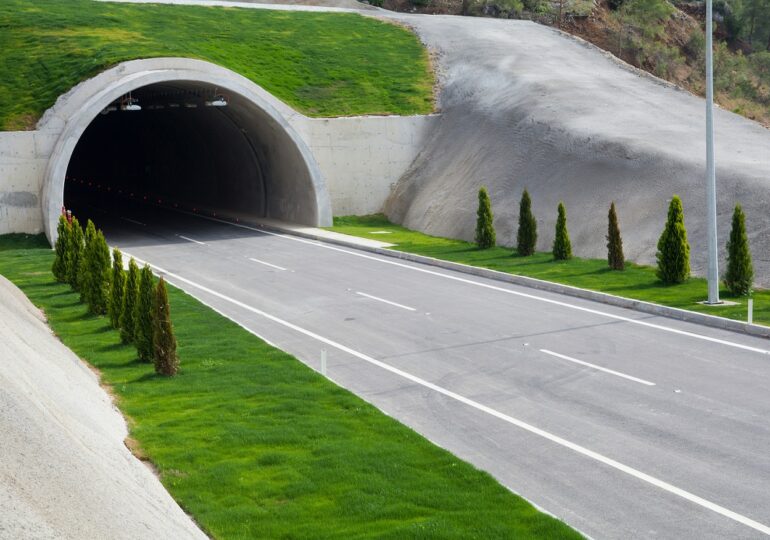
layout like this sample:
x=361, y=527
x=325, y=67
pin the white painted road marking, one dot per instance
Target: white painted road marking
x=135, y=222
x=386, y=301
x=721, y=510
x=190, y=240
x=267, y=264
x=495, y=288
x=594, y=366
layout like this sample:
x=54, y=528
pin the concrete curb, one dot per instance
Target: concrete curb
x=567, y=290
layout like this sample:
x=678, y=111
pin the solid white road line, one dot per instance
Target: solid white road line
x=190, y=240
x=267, y=264
x=503, y=290
x=721, y=510
x=385, y=301
x=600, y=368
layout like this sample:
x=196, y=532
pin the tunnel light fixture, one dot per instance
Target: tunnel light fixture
x=190, y=105
x=219, y=101
x=173, y=105
x=129, y=103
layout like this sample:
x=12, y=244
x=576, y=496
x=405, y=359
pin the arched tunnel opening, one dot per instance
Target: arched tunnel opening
x=190, y=146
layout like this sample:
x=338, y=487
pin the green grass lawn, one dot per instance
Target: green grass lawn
x=638, y=282
x=254, y=444
x=324, y=64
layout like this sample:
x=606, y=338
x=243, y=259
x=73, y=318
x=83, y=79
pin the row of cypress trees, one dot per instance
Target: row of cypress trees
x=673, y=254
x=134, y=304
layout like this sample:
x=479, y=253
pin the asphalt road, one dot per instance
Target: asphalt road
x=661, y=431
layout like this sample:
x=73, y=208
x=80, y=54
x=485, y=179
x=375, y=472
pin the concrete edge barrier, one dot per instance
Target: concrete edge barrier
x=641, y=306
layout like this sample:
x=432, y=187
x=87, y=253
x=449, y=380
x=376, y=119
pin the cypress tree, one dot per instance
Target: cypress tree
x=740, y=271
x=143, y=316
x=485, y=230
x=59, y=267
x=615, y=256
x=82, y=277
x=562, y=248
x=97, y=275
x=117, y=288
x=130, y=297
x=673, y=249
x=163, y=340
x=74, y=253
x=526, y=238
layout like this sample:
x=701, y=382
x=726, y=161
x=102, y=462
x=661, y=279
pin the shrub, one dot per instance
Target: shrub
x=485, y=230
x=117, y=288
x=82, y=275
x=562, y=248
x=163, y=340
x=143, y=316
x=130, y=297
x=526, y=237
x=59, y=267
x=96, y=278
x=615, y=256
x=75, y=254
x=673, y=249
x=740, y=271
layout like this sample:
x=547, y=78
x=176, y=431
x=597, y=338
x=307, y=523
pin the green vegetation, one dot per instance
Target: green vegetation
x=639, y=282
x=526, y=236
x=74, y=253
x=615, y=258
x=130, y=299
x=163, y=341
x=143, y=322
x=253, y=444
x=324, y=64
x=117, y=288
x=562, y=248
x=673, y=248
x=59, y=267
x=485, y=230
x=96, y=279
x=740, y=272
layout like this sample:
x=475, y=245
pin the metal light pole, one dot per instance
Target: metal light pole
x=711, y=180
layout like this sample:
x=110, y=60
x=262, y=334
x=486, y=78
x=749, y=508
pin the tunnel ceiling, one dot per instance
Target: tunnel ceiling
x=182, y=147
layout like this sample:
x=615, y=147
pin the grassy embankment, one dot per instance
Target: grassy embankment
x=324, y=64
x=254, y=444
x=638, y=282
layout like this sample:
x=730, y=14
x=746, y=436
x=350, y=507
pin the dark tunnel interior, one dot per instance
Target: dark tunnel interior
x=192, y=146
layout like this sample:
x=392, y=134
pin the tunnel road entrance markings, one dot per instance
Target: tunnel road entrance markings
x=191, y=240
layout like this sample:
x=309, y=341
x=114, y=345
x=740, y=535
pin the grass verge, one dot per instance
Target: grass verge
x=324, y=64
x=254, y=444
x=637, y=281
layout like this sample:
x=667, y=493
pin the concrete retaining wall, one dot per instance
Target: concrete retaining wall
x=353, y=161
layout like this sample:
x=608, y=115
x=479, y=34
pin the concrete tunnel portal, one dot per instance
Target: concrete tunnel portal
x=188, y=144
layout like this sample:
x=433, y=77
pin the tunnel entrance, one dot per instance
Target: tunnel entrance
x=181, y=134
x=187, y=145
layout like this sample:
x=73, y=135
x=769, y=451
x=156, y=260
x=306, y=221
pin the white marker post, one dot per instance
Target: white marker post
x=751, y=311
x=323, y=362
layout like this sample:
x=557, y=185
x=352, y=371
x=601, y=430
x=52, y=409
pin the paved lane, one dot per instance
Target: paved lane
x=461, y=360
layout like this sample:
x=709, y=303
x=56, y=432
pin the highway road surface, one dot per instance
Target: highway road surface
x=622, y=424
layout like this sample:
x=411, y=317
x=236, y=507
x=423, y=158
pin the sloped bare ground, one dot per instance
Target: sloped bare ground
x=525, y=106
x=64, y=470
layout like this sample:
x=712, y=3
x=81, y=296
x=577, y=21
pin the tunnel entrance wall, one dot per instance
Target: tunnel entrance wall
x=357, y=159
x=297, y=189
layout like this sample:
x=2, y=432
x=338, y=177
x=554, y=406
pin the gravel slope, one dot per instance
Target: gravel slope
x=64, y=470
